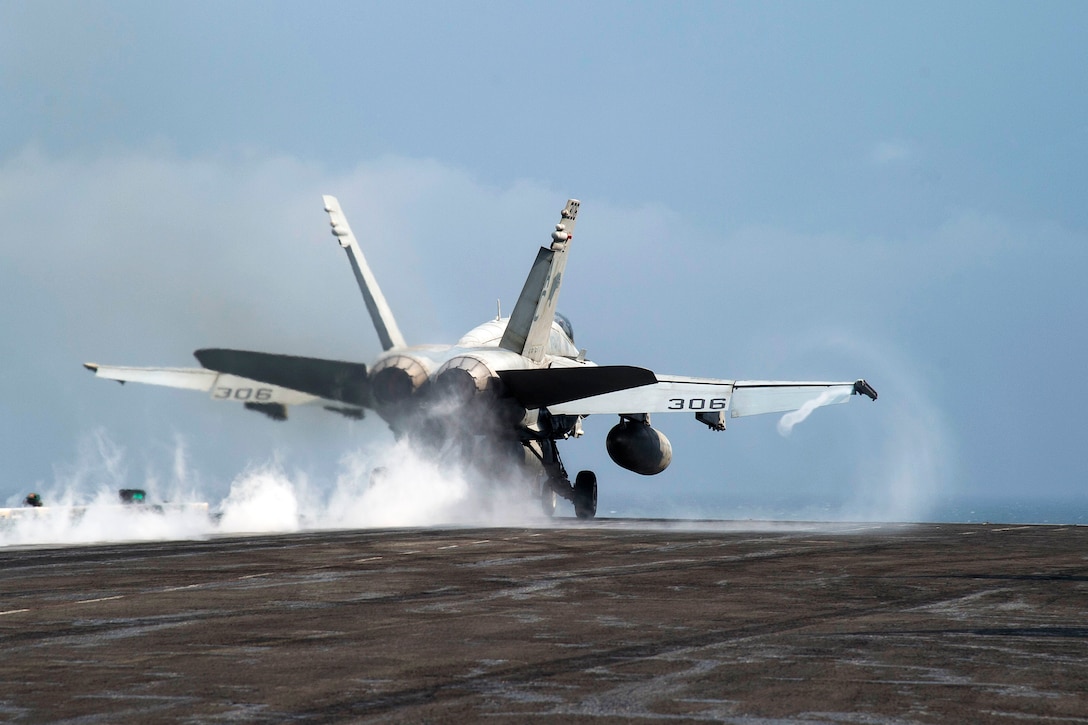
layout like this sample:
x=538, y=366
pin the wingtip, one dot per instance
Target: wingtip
x=93, y=367
x=863, y=388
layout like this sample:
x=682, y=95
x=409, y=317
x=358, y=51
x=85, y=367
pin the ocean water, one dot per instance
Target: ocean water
x=1060, y=511
x=947, y=509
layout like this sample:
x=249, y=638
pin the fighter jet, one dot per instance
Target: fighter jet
x=504, y=394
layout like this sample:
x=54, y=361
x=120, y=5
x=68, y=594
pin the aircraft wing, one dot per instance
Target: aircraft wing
x=714, y=399
x=262, y=382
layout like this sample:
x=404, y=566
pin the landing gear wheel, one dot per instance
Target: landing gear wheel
x=547, y=500
x=585, y=495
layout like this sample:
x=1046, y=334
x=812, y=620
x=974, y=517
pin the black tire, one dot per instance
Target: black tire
x=585, y=495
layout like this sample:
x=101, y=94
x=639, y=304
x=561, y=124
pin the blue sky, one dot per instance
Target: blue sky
x=788, y=190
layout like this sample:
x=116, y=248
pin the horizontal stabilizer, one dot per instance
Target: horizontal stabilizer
x=551, y=386
x=330, y=379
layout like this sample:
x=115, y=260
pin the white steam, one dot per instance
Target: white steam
x=915, y=462
x=907, y=454
x=101, y=519
x=395, y=486
x=262, y=500
x=788, y=421
x=401, y=487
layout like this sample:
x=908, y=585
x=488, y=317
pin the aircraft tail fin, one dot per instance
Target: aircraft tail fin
x=531, y=321
x=380, y=313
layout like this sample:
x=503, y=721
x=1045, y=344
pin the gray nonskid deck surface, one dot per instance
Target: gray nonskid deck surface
x=604, y=622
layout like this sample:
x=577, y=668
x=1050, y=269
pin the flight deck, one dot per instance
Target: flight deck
x=602, y=621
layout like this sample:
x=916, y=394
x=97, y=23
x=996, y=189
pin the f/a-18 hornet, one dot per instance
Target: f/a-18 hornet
x=506, y=391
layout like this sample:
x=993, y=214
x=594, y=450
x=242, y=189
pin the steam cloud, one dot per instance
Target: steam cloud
x=788, y=421
x=397, y=486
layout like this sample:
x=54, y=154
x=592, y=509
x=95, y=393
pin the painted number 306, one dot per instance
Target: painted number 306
x=261, y=395
x=698, y=403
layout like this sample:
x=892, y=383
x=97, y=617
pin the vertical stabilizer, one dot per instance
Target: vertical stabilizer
x=531, y=321
x=388, y=332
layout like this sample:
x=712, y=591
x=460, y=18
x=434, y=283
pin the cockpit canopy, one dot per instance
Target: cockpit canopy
x=561, y=339
x=564, y=325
